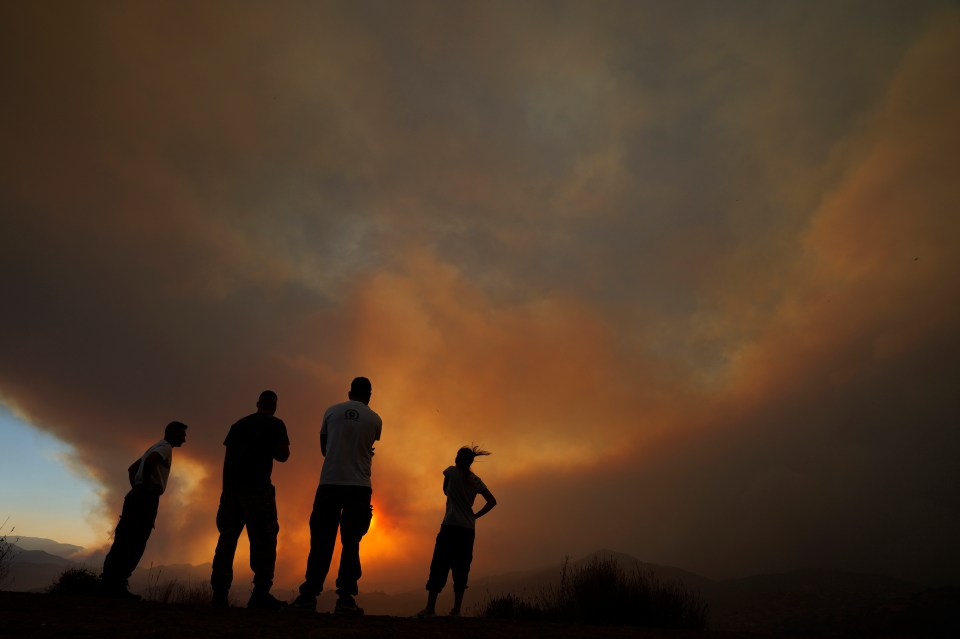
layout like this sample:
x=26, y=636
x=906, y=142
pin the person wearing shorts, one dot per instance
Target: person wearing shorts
x=453, y=551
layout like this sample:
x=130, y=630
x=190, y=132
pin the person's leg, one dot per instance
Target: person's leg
x=144, y=520
x=130, y=539
x=439, y=567
x=461, y=558
x=431, y=608
x=115, y=561
x=357, y=514
x=262, y=529
x=350, y=570
x=324, y=523
x=230, y=522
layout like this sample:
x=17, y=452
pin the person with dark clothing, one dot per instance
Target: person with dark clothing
x=249, y=500
x=148, y=480
x=342, y=502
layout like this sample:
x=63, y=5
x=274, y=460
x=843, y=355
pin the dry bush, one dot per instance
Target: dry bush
x=603, y=593
x=7, y=552
x=76, y=582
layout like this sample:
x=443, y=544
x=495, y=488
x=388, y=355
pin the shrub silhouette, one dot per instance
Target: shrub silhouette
x=603, y=593
x=7, y=552
x=76, y=582
x=81, y=582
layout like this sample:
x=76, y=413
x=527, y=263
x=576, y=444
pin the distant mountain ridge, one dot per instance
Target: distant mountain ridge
x=34, y=570
x=36, y=562
x=46, y=545
x=22, y=555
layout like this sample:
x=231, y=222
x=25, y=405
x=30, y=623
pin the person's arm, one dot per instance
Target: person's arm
x=281, y=448
x=446, y=482
x=323, y=433
x=487, y=507
x=153, y=460
x=132, y=472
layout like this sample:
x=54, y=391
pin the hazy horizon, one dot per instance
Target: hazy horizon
x=189, y=573
x=689, y=271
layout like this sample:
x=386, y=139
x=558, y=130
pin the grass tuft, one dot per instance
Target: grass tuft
x=174, y=591
x=178, y=592
x=510, y=607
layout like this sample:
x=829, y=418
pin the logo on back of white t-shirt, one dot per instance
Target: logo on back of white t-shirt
x=352, y=414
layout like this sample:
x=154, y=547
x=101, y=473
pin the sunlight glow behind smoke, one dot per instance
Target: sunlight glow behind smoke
x=192, y=481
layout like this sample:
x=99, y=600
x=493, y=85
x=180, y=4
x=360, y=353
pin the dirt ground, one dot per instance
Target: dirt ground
x=29, y=615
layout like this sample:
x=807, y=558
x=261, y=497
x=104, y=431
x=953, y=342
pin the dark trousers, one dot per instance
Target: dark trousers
x=130, y=538
x=257, y=511
x=453, y=552
x=348, y=509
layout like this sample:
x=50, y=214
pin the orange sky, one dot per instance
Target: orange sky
x=689, y=272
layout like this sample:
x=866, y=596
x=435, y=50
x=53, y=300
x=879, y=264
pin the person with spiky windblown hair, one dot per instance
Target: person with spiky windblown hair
x=453, y=551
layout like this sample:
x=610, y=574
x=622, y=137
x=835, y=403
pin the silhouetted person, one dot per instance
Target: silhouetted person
x=454, y=548
x=148, y=479
x=249, y=500
x=342, y=502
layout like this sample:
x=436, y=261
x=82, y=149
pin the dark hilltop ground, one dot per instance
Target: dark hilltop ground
x=28, y=615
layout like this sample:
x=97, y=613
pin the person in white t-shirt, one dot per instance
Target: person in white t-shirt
x=343, y=497
x=148, y=480
x=453, y=551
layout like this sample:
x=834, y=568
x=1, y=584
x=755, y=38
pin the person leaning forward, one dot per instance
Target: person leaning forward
x=148, y=479
x=249, y=500
x=343, y=496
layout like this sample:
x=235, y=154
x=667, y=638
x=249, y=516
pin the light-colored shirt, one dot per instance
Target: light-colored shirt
x=351, y=429
x=156, y=481
x=462, y=490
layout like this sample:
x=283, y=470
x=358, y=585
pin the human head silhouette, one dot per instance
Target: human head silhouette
x=467, y=454
x=360, y=390
x=267, y=404
x=175, y=433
